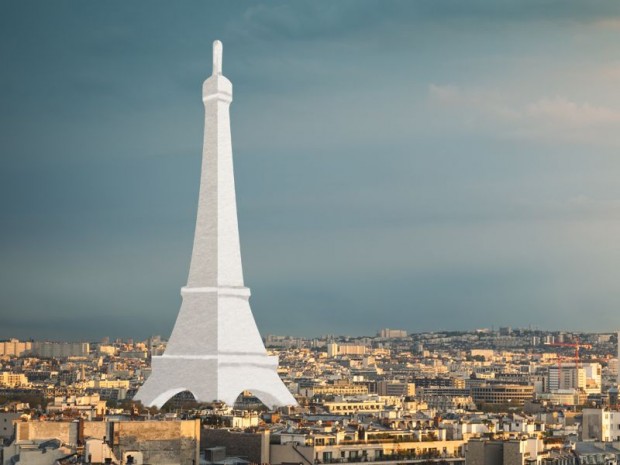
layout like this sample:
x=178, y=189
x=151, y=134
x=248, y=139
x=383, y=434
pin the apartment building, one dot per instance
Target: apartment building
x=601, y=424
x=395, y=388
x=9, y=379
x=513, y=394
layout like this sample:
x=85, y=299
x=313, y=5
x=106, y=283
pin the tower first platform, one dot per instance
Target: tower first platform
x=215, y=350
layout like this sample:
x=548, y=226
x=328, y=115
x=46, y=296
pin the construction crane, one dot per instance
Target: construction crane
x=577, y=345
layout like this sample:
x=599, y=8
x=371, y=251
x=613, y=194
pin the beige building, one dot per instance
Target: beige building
x=392, y=333
x=90, y=406
x=334, y=349
x=527, y=451
x=327, y=448
x=335, y=390
x=156, y=442
x=488, y=354
x=44, y=349
x=14, y=347
x=513, y=394
x=563, y=397
x=12, y=380
x=108, y=383
x=325, y=445
x=354, y=407
x=395, y=388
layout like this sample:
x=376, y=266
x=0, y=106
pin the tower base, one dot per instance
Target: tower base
x=215, y=378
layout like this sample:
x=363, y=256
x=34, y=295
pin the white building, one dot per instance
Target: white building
x=586, y=377
x=600, y=424
x=593, y=378
x=566, y=376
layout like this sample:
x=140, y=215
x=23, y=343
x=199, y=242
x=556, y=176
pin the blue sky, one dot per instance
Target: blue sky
x=427, y=165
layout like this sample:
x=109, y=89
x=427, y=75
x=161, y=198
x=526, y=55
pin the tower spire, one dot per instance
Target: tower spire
x=215, y=350
x=217, y=57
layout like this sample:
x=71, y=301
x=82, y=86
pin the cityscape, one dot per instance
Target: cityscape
x=489, y=396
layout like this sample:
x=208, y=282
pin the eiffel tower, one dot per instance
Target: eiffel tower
x=215, y=350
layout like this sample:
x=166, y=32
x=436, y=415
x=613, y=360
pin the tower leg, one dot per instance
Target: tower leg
x=171, y=375
x=261, y=381
x=156, y=391
x=234, y=374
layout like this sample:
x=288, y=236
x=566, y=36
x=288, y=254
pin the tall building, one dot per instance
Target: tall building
x=593, y=373
x=45, y=349
x=60, y=349
x=14, y=347
x=392, y=333
x=586, y=377
x=334, y=349
x=600, y=424
x=215, y=350
x=566, y=376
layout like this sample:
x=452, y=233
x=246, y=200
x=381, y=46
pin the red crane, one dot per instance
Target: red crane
x=577, y=345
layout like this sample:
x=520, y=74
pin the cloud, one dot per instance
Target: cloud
x=545, y=117
x=610, y=72
x=562, y=111
x=608, y=23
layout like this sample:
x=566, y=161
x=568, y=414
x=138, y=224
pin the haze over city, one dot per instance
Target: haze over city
x=422, y=165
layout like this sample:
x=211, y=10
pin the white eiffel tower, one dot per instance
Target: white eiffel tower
x=215, y=350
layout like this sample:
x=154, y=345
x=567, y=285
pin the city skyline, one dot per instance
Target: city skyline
x=460, y=398
x=415, y=165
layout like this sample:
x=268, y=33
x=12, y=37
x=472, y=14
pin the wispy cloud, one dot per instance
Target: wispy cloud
x=545, y=117
x=608, y=23
x=562, y=111
x=609, y=72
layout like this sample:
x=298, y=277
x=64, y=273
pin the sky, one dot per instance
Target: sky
x=426, y=165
